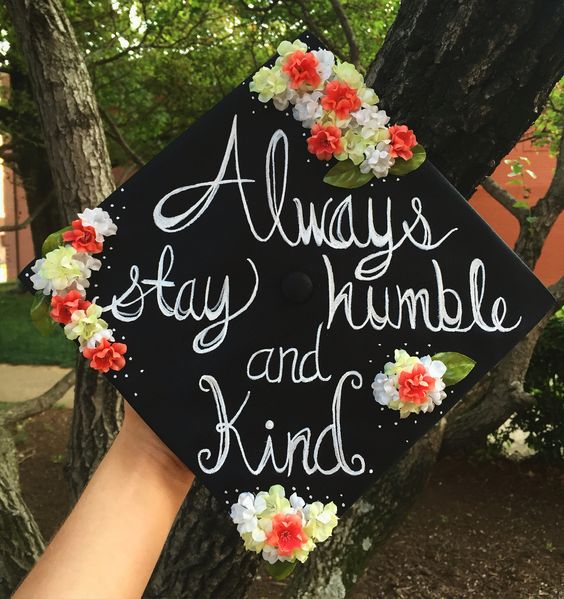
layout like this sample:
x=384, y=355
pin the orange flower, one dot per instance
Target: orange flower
x=287, y=533
x=325, y=141
x=106, y=356
x=402, y=140
x=83, y=238
x=302, y=69
x=415, y=384
x=62, y=306
x=341, y=98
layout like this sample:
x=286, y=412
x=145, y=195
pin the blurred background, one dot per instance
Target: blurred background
x=489, y=522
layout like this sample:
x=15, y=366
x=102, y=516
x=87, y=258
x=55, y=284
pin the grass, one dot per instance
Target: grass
x=20, y=342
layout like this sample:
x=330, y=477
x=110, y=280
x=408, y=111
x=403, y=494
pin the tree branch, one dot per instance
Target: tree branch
x=116, y=135
x=27, y=221
x=38, y=404
x=354, y=52
x=502, y=196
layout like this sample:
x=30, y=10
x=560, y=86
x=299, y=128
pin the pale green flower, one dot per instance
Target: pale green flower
x=268, y=83
x=285, y=48
x=85, y=324
x=368, y=96
x=353, y=146
x=345, y=71
x=58, y=270
x=275, y=499
x=403, y=361
x=321, y=520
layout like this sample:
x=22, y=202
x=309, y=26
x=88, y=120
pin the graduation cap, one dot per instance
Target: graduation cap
x=289, y=306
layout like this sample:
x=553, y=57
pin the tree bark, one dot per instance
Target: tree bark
x=333, y=568
x=21, y=542
x=470, y=77
x=82, y=177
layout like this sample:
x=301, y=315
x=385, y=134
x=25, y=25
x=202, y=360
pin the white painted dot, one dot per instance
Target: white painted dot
x=27, y=274
x=383, y=180
x=326, y=496
x=396, y=423
x=304, y=134
x=136, y=394
x=379, y=345
x=379, y=426
x=397, y=178
x=115, y=376
x=109, y=266
x=103, y=257
x=225, y=492
x=257, y=488
x=407, y=440
x=111, y=247
x=381, y=409
x=287, y=114
x=308, y=160
x=416, y=353
x=405, y=344
x=428, y=345
x=293, y=488
x=371, y=471
x=310, y=496
x=123, y=337
x=387, y=355
x=265, y=106
x=111, y=205
x=370, y=361
x=342, y=504
x=269, y=425
x=371, y=184
x=95, y=284
x=236, y=490
x=253, y=111
x=142, y=371
x=307, y=488
x=415, y=422
x=123, y=207
x=227, y=501
x=117, y=217
x=340, y=494
x=130, y=358
x=122, y=189
x=126, y=376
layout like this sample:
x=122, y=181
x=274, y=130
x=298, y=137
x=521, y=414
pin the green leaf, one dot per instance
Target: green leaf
x=458, y=366
x=521, y=204
x=280, y=570
x=347, y=174
x=40, y=316
x=402, y=167
x=53, y=241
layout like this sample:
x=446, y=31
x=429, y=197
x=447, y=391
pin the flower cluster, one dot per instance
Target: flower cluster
x=63, y=274
x=331, y=99
x=410, y=384
x=283, y=529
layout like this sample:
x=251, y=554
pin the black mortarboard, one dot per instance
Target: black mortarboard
x=258, y=303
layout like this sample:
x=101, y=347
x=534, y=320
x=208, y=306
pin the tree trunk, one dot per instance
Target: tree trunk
x=334, y=567
x=470, y=77
x=21, y=542
x=82, y=177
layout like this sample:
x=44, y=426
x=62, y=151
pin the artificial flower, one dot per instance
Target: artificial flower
x=353, y=146
x=268, y=83
x=307, y=108
x=106, y=356
x=321, y=520
x=282, y=100
x=287, y=534
x=100, y=221
x=377, y=159
x=83, y=238
x=286, y=48
x=367, y=96
x=402, y=139
x=63, y=306
x=61, y=270
x=346, y=72
x=410, y=384
x=372, y=123
x=244, y=513
x=326, y=62
x=275, y=500
x=85, y=323
x=324, y=141
x=301, y=68
x=340, y=98
x=96, y=338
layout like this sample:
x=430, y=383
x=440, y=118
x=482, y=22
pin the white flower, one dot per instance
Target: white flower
x=308, y=109
x=326, y=61
x=378, y=159
x=297, y=502
x=100, y=220
x=370, y=120
x=62, y=270
x=244, y=513
x=85, y=324
x=384, y=389
x=270, y=554
x=282, y=100
x=96, y=338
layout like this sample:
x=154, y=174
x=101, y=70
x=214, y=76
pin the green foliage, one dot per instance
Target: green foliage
x=346, y=174
x=550, y=124
x=402, y=167
x=458, y=366
x=20, y=342
x=544, y=421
